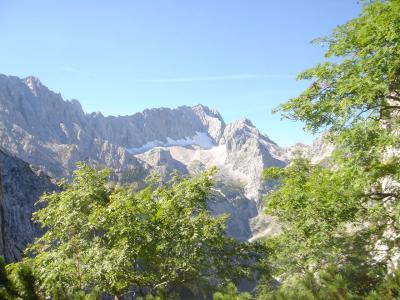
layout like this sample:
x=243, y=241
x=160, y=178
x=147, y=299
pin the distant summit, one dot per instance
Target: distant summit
x=33, y=83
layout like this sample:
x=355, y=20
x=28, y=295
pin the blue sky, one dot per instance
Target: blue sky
x=120, y=57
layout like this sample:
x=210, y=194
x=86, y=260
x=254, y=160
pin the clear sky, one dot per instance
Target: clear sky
x=120, y=57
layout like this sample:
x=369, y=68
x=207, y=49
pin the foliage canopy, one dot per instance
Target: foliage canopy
x=104, y=238
x=345, y=211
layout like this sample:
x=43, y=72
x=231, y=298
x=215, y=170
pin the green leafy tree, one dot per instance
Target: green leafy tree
x=23, y=281
x=322, y=223
x=362, y=78
x=388, y=289
x=6, y=288
x=159, y=241
x=231, y=293
x=331, y=284
x=345, y=212
x=17, y=281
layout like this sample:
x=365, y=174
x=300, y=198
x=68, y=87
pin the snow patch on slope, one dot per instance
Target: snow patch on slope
x=201, y=139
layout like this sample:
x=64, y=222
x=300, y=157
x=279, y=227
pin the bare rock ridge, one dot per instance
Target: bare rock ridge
x=40, y=127
x=20, y=188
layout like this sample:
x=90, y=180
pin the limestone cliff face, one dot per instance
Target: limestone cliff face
x=20, y=188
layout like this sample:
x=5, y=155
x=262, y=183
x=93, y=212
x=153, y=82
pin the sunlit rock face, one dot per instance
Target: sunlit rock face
x=38, y=126
x=20, y=187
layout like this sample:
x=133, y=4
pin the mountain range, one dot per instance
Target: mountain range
x=51, y=134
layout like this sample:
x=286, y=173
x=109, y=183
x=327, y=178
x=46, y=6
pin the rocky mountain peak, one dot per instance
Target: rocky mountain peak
x=203, y=109
x=245, y=122
x=33, y=83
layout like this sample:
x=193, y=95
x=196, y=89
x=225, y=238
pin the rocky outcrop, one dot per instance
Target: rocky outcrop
x=248, y=154
x=20, y=188
x=318, y=152
x=240, y=156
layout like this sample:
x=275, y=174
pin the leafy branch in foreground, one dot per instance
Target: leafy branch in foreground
x=345, y=213
x=103, y=238
x=361, y=81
